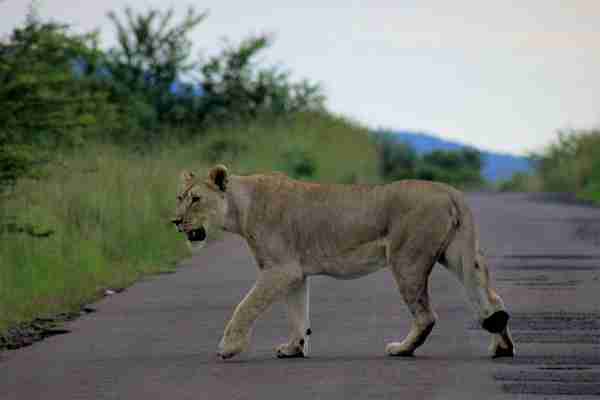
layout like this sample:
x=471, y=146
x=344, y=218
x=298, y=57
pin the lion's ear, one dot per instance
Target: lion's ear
x=218, y=176
x=186, y=176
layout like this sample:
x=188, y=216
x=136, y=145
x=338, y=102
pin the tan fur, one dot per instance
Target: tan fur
x=298, y=229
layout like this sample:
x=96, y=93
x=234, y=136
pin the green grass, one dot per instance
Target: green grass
x=339, y=150
x=591, y=192
x=107, y=213
x=100, y=218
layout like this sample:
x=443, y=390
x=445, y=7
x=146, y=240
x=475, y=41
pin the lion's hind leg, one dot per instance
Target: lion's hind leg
x=413, y=285
x=412, y=259
x=298, y=315
x=465, y=260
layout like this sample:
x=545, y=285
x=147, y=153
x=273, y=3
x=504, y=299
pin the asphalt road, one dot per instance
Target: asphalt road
x=158, y=339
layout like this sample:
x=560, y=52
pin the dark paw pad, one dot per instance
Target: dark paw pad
x=300, y=354
x=496, y=322
x=403, y=354
x=502, y=352
x=224, y=356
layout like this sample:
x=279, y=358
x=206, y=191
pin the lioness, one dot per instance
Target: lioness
x=297, y=229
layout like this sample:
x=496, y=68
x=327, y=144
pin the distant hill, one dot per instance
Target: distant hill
x=497, y=166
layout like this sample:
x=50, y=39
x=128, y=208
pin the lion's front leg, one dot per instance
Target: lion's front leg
x=298, y=316
x=271, y=285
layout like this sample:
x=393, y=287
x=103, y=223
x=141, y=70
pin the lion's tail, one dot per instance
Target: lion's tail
x=463, y=251
x=464, y=217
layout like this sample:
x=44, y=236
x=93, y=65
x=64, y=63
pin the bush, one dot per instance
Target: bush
x=520, y=182
x=299, y=164
x=220, y=148
x=461, y=168
x=16, y=161
x=571, y=164
x=398, y=160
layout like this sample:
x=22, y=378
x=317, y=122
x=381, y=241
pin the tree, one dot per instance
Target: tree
x=459, y=168
x=235, y=87
x=43, y=100
x=397, y=160
x=48, y=95
x=571, y=163
x=153, y=52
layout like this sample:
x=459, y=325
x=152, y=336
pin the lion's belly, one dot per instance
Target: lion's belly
x=353, y=263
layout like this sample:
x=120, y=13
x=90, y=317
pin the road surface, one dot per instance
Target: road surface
x=158, y=339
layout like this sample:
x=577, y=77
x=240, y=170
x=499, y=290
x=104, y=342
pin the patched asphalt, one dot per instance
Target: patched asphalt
x=158, y=339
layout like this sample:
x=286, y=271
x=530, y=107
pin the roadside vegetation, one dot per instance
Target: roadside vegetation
x=100, y=216
x=398, y=160
x=571, y=164
x=92, y=141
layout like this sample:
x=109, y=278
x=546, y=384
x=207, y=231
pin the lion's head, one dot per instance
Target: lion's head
x=201, y=204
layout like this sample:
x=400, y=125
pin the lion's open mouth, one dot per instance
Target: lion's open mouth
x=197, y=235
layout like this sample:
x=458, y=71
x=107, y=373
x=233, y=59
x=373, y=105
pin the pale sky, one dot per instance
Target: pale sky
x=500, y=75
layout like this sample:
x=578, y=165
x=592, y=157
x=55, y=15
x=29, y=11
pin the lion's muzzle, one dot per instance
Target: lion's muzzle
x=196, y=235
x=178, y=224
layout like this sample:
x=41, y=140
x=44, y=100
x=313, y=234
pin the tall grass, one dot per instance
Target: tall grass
x=101, y=216
x=105, y=214
x=336, y=149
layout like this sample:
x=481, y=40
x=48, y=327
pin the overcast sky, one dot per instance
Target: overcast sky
x=501, y=75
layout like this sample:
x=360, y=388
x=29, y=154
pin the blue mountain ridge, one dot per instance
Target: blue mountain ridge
x=497, y=166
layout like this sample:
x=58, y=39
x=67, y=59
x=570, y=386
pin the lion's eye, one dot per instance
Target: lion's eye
x=179, y=198
x=195, y=199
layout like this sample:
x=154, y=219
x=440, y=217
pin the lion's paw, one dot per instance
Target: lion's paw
x=397, y=349
x=498, y=351
x=291, y=350
x=230, y=347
